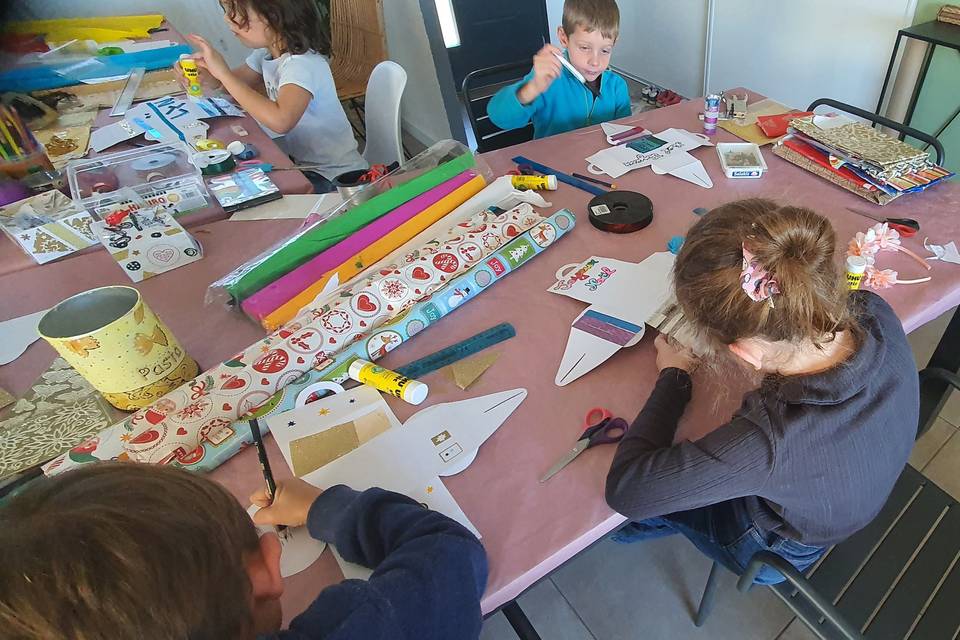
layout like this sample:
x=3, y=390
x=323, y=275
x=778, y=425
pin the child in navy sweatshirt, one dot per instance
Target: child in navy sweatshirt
x=140, y=551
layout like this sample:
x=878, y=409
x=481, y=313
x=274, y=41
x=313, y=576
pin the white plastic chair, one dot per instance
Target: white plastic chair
x=382, y=107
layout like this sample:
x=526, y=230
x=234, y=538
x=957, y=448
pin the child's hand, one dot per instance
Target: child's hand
x=671, y=356
x=290, y=504
x=546, y=69
x=207, y=81
x=209, y=58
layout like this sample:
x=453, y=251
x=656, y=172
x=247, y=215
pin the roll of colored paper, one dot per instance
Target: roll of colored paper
x=359, y=261
x=285, y=288
x=312, y=241
x=174, y=427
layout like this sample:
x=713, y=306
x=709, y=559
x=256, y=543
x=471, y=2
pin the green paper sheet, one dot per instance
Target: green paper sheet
x=300, y=249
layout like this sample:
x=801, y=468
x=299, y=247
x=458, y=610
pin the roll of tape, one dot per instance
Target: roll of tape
x=154, y=175
x=235, y=147
x=242, y=150
x=208, y=144
x=215, y=162
x=100, y=180
x=151, y=168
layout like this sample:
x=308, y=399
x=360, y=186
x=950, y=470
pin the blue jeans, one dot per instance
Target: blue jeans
x=724, y=532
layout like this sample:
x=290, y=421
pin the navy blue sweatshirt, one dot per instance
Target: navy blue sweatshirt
x=429, y=571
x=812, y=457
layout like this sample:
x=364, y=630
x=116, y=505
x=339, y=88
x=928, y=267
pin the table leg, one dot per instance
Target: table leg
x=518, y=620
x=886, y=78
x=933, y=392
x=927, y=56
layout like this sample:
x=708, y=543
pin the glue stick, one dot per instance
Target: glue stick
x=856, y=266
x=188, y=66
x=534, y=182
x=391, y=382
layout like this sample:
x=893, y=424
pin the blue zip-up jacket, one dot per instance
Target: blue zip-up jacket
x=429, y=572
x=566, y=105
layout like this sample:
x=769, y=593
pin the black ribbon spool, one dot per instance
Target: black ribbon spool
x=620, y=211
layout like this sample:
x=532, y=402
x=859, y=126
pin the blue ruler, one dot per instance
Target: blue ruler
x=562, y=177
x=458, y=351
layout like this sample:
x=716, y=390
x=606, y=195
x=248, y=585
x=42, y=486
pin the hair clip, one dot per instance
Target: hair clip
x=880, y=237
x=756, y=281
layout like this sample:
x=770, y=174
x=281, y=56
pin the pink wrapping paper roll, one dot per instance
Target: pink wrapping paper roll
x=174, y=426
x=271, y=297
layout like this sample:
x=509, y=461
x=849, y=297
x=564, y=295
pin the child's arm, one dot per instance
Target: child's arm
x=650, y=476
x=513, y=107
x=279, y=116
x=624, y=106
x=430, y=572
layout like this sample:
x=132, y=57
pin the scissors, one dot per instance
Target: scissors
x=600, y=427
x=907, y=227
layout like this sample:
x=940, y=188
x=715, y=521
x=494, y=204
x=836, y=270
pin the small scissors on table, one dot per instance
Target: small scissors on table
x=600, y=427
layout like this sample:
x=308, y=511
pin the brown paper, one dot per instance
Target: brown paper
x=465, y=372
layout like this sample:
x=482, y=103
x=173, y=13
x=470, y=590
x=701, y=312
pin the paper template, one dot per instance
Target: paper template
x=298, y=549
x=947, y=252
x=656, y=151
x=17, y=334
x=623, y=296
x=147, y=243
x=291, y=207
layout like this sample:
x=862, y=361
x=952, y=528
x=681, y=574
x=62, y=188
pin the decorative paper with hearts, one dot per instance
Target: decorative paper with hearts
x=147, y=243
x=176, y=425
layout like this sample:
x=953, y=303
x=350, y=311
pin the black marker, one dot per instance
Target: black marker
x=264, y=463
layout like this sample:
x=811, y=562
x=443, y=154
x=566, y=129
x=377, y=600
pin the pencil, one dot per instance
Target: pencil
x=608, y=185
x=20, y=127
x=264, y=462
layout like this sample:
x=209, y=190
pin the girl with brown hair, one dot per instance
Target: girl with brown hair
x=811, y=455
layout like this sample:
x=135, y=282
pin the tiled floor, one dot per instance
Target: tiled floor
x=649, y=591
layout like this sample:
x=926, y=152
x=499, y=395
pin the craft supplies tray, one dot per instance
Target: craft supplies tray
x=741, y=159
x=161, y=175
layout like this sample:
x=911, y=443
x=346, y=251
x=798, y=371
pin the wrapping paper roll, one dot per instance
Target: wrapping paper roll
x=175, y=426
x=357, y=263
x=224, y=443
x=298, y=250
x=287, y=287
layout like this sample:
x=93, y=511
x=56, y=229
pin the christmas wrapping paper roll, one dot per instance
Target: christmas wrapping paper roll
x=276, y=294
x=114, y=340
x=296, y=251
x=223, y=443
x=176, y=425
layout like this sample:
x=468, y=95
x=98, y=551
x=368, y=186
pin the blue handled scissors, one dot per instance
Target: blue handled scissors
x=600, y=427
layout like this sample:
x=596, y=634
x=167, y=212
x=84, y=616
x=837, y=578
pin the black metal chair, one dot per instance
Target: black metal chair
x=897, y=578
x=478, y=87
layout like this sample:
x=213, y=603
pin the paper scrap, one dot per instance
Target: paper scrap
x=290, y=207
x=6, y=398
x=465, y=372
x=298, y=549
x=17, y=334
x=747, y=128
x=946, y=253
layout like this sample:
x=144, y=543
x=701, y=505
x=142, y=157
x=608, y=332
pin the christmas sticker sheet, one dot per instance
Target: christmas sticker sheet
x=147, y=243
x=48, y=226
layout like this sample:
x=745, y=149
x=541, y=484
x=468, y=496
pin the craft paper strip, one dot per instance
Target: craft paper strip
x=289, y=286
x=371, y=254
x=224, y=441
x=265, y=269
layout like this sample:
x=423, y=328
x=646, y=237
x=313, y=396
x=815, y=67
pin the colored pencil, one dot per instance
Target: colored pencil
x=17, y=151
x=608, y=185
x=22, y=129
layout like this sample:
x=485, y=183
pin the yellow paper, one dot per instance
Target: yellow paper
x=132, y=360
x=466, y=372
x=316, y=450
x=101, y=28
x=376, y=251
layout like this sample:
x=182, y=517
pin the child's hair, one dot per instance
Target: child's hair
x=296, y=22
x=592, y=15
x=794, y=244
x=123, y=550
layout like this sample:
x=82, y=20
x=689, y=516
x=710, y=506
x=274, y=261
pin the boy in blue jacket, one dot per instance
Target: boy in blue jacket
x=550, y=95
x=125, y=551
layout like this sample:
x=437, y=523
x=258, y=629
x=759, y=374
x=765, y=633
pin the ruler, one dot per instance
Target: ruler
x=129, y=92
x=562, y=177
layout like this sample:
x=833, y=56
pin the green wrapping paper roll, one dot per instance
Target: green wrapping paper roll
x=323, y=236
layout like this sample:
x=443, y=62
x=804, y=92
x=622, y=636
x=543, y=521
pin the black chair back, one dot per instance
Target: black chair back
x=478, y=87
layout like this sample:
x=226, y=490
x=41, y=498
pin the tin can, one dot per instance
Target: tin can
x=711, y=113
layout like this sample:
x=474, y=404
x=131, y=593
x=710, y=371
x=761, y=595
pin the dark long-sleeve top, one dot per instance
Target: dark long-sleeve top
x=430, y=572
x=813, y=457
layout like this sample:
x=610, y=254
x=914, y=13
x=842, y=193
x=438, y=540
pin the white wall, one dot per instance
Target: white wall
x=422, y=110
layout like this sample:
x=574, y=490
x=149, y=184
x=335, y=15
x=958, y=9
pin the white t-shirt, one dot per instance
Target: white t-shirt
x=323, y=136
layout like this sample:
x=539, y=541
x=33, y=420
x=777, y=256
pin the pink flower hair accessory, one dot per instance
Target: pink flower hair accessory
x=878, y=238
x=756, y=281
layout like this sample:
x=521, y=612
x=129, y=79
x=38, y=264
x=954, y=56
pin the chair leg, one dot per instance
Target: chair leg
x=361, y=116
x=709, y=593
x=518, y=620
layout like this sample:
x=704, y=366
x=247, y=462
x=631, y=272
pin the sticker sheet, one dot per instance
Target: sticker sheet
x=48, y=226
x=147, y=243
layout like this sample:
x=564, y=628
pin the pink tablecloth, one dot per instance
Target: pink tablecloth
x=528, y=528
x=12, y=258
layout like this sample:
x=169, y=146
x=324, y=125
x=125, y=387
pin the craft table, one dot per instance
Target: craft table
x=12, y=258
x=528, y=528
